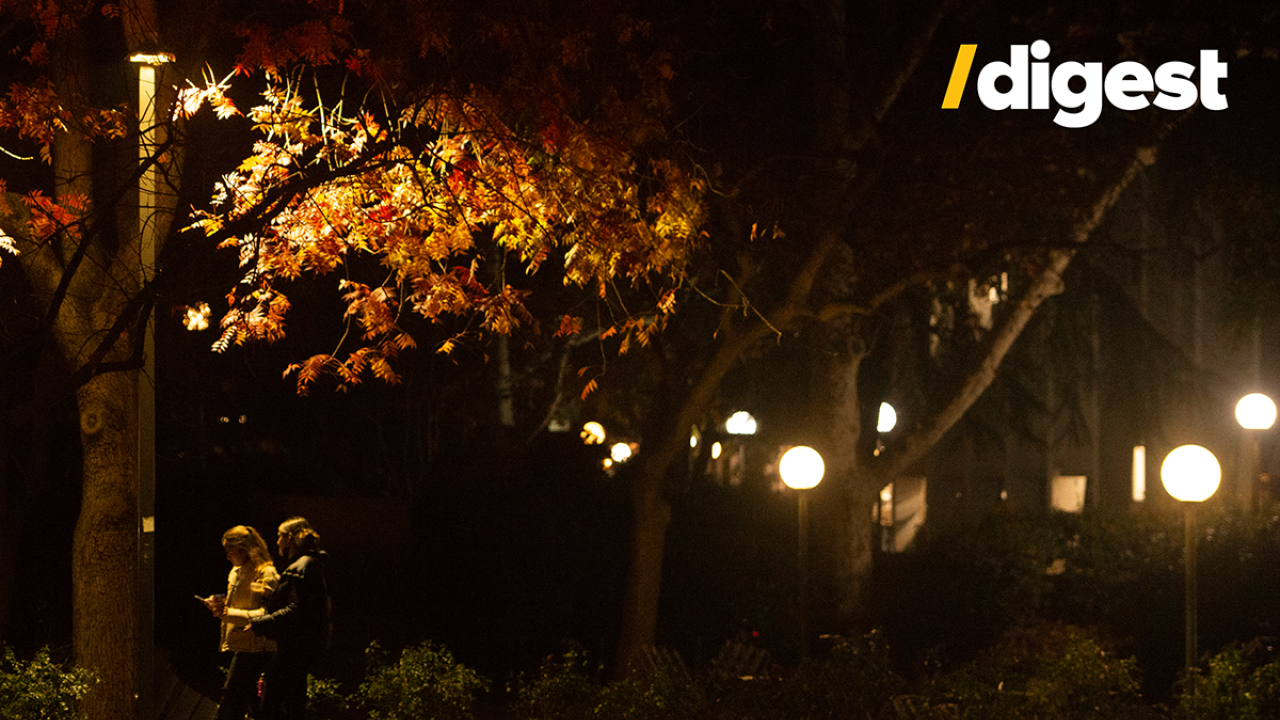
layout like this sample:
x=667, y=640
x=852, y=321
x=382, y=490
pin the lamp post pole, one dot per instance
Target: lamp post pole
x=1191, y=598
x=802, y=562
x=1255, y=413
x=801, y=468
x=1191, y=474
x=147, y=181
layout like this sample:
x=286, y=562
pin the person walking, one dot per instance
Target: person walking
x=250, y=583
x=297, y=618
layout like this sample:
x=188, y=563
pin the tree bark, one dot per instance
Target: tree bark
x=104, y=552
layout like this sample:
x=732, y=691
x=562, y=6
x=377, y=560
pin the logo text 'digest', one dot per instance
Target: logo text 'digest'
x=1126, y=85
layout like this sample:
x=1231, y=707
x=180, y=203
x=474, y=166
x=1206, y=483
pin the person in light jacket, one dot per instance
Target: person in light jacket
x=250, y=583
x=297, y=618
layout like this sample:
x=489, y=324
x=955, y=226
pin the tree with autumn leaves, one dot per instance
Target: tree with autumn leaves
x=434, y=193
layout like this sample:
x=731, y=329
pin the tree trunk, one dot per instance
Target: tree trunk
x=856, y=489
x=652, y=516
x=104, y=553
x=666, y=437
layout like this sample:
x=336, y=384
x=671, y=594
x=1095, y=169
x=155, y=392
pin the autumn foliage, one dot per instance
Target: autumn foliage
x=455, y=194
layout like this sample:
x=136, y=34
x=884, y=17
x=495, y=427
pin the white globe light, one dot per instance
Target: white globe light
x=888, y=418
x=801, y=468
x=1256, y=412
x=1191, y=473
x=740, y=423
x=620, y=452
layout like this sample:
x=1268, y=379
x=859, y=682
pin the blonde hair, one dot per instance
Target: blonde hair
x=304, y=537
x=248, y=540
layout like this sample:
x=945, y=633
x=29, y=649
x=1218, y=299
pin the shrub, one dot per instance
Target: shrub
x=425, y=683
x=1234, y=689
x=564, y=688
x=1045, y=671
x=853, y=679
x=40, y=689
x=324, y=699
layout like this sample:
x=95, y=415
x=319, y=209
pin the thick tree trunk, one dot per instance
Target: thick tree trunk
x=652, y=516
x=856, y=489
x=104, y=554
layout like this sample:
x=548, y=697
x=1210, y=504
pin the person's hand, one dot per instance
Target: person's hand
x=217, y=605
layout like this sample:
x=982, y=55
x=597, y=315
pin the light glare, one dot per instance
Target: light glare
x=592, y=433
x=197, y=317
x=740, y=423
x=1256, y=412
x=159, y=58
x=1191, y=473
x=888, y=418
x=801, y=468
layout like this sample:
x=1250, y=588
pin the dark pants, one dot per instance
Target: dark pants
x=240, y=692
x=284, y=687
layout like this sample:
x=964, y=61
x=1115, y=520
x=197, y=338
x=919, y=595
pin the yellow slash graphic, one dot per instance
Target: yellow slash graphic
x=959, y=74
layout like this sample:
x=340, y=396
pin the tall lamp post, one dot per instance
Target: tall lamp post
x=1255, y=413
x=801, y=468
x=1191, y=474
x=147, y=63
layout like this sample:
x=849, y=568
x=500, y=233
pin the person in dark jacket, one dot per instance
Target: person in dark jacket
x=297, y=618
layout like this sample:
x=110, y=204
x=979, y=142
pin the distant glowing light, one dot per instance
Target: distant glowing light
x=156, y=58
x=197, y=317
x=1256, y=412
x=620, y=452
x=1191, y=473
x=716, y=449
x=592, y=433
x=740, y=423
x=801, y=468
x=1139, y=480
x=888, y=418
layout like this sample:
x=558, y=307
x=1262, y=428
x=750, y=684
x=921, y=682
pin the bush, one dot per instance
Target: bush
x=1234, y=689
x=324, y=699
x=426, y=683
x=670, y=692
x=1044, y=671
x=40, y=689
x=855, y=679
x=564, y=688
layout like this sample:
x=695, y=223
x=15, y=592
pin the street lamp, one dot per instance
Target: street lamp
x=147, y=63
x=1255, y=413
x=887, y=419
x=801, y=468
x=1191, y=474
x=740, y=423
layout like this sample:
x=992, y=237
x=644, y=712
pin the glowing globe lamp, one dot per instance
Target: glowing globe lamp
x=1256, y=412
x=1191, y=473
x=801, y=468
